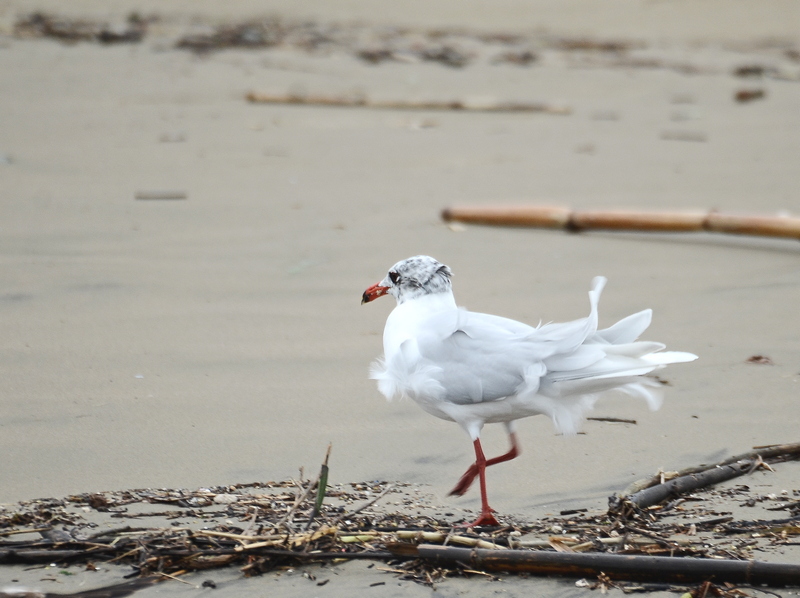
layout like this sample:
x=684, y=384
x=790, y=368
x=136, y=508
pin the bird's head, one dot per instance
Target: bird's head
x=411, y=278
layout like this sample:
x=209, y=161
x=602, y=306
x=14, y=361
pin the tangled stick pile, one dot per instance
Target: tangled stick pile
x=260, y=527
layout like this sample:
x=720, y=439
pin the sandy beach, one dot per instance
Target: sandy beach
x=218, y=338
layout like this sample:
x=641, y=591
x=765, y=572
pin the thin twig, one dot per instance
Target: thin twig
x=240, y=537
x=344, y=516
x=127, y=554
x=196, y=587
x=302, y=496
x=26, y=531
x=248, y=530
x=614, y=420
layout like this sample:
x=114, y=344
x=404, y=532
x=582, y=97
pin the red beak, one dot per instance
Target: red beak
x=373, y=293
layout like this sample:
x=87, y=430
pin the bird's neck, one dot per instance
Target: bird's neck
x=407, y=319
x=428, y=304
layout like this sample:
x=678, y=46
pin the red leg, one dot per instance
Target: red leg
x=469, y=476
x=486, y=517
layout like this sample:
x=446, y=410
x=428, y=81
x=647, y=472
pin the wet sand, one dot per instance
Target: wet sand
x=219, y=338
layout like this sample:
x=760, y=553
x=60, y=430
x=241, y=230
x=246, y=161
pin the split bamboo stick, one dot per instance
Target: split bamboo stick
x=449, y=538
x=577, y=220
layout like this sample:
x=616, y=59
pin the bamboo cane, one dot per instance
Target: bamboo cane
x=770, y=226
x=450, y=538
x=615, y=566
x=578, y=220
x=625, y=220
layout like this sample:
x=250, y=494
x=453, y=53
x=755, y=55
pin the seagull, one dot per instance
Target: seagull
x=474, y=368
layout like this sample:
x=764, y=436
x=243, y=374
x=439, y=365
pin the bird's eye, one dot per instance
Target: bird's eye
x=394, y=277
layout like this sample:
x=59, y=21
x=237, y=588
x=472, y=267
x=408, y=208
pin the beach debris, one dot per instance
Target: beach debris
x=752, y=70
x=153, y=195
x=617, y=420
x=250, y=34
x=375, y=55
x=759, y=360
x=517, y=57
x=587, y=44
x=760, y=454
x=542, y=216
x=758, y=71
x=686, y=541
x=684, y=136
x=748, y=95
x=362, y=101
x=663, y=569
x=453, y=47
x=40, y=24
x=682, y=485
x=445, y=54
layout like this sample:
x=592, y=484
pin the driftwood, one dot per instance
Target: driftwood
x=360, y=101
x=769, y=454
x=640, y=568
x=680, y=485
x=578, y=220
x=646, y=493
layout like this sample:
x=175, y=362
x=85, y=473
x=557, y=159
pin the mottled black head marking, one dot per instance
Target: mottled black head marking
x=417, y=276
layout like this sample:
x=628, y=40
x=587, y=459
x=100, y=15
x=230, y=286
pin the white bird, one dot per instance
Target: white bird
x=474, y=368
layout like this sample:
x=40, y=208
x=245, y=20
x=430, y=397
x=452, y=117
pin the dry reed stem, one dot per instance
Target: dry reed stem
x=449, y=538
x=359, y=101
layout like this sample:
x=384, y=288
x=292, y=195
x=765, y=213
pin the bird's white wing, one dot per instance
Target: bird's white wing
x=479, y=364
x=480, y=357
